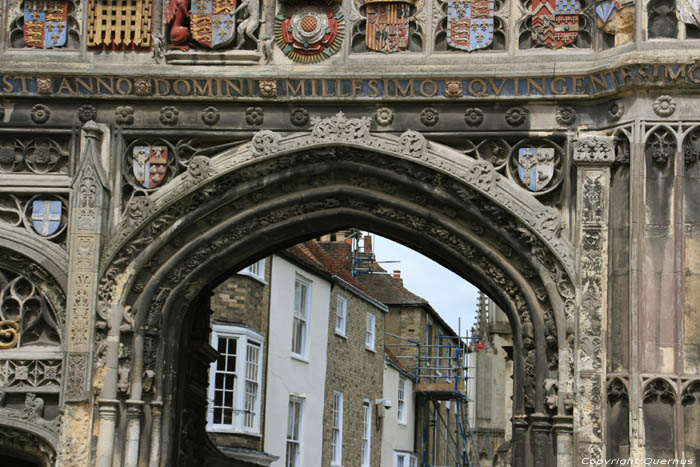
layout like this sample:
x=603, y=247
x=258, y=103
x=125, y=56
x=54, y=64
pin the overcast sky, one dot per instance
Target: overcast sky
x=450, y=295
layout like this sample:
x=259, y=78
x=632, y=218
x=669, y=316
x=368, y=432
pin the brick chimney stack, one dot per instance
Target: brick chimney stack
x=397, y=274
x=367, y=242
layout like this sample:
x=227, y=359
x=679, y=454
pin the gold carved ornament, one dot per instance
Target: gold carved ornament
x=9, y=334
x=122, y=24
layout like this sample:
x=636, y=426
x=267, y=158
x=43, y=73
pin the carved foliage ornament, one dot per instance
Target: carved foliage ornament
x=593, y=149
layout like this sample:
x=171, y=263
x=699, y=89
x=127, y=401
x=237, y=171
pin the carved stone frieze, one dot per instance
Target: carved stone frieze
x=594, y=156
x=31, y=374
x=593, y=149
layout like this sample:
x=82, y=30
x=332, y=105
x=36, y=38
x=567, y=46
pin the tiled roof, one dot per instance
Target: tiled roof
x=333, y=258
x=388, y=289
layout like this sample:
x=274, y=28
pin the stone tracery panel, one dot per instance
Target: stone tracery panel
x=691, y=421
x=659, y=419
x=34, y=155
x=26, y=317
x=44, y=215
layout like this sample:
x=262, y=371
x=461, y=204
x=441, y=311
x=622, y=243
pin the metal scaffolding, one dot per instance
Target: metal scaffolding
x=441, y=372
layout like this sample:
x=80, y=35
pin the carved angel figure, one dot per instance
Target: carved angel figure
x=177, y=16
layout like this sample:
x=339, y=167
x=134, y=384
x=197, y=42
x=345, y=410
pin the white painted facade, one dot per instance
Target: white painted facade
x=286, y=374
x=397, y=435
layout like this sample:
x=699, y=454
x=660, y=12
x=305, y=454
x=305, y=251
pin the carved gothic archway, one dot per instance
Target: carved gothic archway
x=274, y=191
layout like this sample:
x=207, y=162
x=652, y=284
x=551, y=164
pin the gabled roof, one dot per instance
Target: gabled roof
x=333, y=262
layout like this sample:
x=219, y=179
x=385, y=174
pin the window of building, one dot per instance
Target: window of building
x=404, y=459
x=369, y=334
x=235, y=380
x=302, y=291
x=366, y=432
x=294, y=420
x=341, y=314
x=401, y=406
x=255, y=270
x=337, y=429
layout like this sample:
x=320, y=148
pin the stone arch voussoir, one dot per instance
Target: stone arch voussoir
x=525, y=262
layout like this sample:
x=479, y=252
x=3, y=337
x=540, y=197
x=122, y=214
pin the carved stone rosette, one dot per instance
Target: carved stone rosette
x=593, y=156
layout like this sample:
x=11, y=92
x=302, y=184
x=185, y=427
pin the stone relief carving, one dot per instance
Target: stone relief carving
x=26, y=317
x=593, y=149
x=40, y=114
x=16, y=439
x=664, y=106
x=31, y=374
x=661, y=145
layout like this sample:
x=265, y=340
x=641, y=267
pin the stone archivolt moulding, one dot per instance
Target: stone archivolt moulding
x=543, y=221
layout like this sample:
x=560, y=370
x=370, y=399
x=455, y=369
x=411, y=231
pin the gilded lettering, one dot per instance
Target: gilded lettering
x=477, y=88
x=122, y=89
x=202, y=89
x=325, y=91
x=408, y=90
x=373, y=86
x=578, y=85
x=428, y=88
x=84, y=85
x=23, y=80
x=532, y=84
x=339, y=87
x=234, y=88
x=599, y=80
x=105, y=85
x=8, y=84
x=671, y=75
x=162, y=87
x=497, y=88
x=558, y=86
x=692, y=73
x=357, y=87
x=182, y=87
x=65, y=87
x=292, y=90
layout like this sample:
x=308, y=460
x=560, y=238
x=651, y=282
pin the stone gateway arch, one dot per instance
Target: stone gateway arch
x=150, y=151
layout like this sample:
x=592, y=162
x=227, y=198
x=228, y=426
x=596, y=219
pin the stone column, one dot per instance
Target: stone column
x=562, y=428
x=88, y=204
x=593, y=157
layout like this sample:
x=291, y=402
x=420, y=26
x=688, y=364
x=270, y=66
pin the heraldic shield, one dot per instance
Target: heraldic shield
x=387, y=25
x=536, y=167
x=605, y=9
x=470, y=24
x=45, y=23
x=150, y=165
x=212, y=22
x=555, y=22
x=46, y=216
